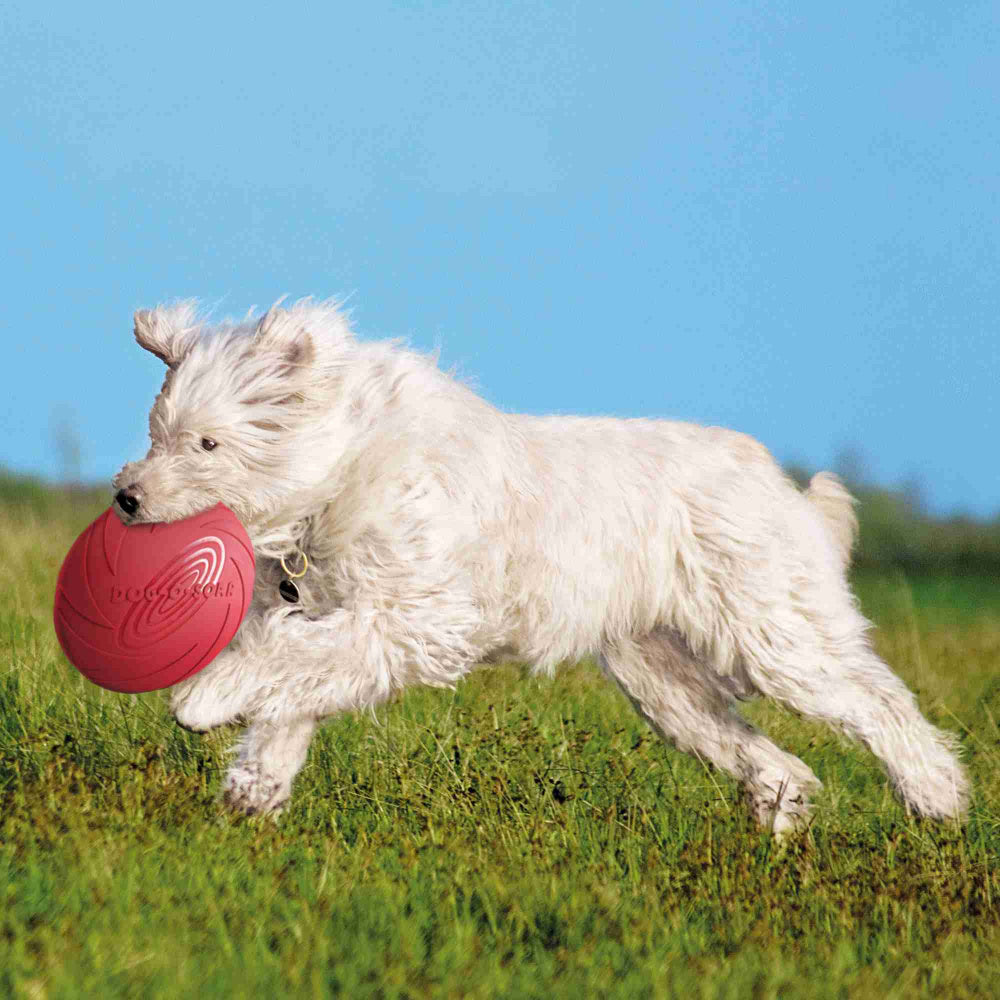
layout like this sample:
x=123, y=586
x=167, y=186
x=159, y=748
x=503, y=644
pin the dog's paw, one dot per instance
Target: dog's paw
x=198, y=708
x=782, y=822
x=782, y=805
x=198, y=717
x=250, y=790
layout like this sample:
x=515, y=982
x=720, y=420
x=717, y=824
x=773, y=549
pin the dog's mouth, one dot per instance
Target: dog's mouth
x=134, y=509
x=131, y=506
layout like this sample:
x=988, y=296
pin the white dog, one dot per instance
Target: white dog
x=440, y=533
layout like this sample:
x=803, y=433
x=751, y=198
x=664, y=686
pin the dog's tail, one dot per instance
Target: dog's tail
x=830, y=497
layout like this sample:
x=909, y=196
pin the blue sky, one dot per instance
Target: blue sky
x=777, y=217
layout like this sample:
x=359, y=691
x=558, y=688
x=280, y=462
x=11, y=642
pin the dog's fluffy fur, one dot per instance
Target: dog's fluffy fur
x=442, y=533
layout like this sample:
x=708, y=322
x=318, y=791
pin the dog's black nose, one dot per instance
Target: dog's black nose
x=127, y=500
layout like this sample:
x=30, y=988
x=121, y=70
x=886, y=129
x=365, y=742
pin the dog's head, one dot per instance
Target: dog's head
x=239, y=412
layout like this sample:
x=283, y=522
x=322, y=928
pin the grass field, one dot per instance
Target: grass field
x=514, y=838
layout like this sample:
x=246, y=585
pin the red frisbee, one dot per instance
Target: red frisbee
x=142, y=607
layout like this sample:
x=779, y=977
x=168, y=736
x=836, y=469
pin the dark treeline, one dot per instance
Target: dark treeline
x=896, y=533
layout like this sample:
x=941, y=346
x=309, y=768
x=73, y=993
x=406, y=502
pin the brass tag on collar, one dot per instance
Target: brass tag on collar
x=287, y=588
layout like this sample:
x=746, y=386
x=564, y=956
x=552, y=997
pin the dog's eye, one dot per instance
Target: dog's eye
x=208, y=444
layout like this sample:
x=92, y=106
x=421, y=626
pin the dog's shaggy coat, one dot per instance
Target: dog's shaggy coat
x=442, y=533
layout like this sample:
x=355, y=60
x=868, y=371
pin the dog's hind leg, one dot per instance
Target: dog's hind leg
x=690, y=707
x=821, y=664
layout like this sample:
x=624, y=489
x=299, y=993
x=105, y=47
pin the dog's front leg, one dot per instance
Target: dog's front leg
x=270, y=755
x=307, y=669
x=222, y=692
x=214, y=697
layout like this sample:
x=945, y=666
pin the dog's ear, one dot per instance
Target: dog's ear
x=167, y=331
x=282, y=332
